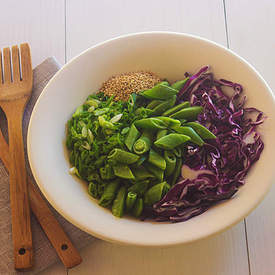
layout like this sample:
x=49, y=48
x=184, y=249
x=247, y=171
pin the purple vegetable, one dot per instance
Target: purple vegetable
x=221, y=165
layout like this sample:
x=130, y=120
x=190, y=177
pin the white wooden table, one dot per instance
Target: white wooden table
x=64, y=28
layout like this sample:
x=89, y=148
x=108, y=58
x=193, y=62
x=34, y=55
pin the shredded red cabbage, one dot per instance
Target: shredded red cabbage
x=226, y=159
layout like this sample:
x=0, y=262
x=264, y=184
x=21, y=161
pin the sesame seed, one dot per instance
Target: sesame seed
x=123, y=85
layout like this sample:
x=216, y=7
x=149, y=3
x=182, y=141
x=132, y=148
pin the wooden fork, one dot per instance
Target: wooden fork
x=15, y=89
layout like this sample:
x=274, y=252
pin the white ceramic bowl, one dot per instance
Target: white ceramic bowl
x=169, y=55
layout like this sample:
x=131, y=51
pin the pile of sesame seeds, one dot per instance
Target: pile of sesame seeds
x=121, y=86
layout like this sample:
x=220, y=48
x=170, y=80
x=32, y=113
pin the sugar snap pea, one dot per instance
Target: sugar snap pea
x=176, y=108
x=177, y=171
x=154, y=194
x=119, y=202
x=120, y=156
x=131, y=137
x=160, y=91
x=201, y=130
x=92, y=190
x=109, y=193
x=169, y=122
x=143, y=144
x=154, y=103
x=157, y=172
x=139, y=188
x=123, y=171
x=161, y=133
x=165, y=105
x=189, y=113
x=179, y=84
x=171, y=141
x=141, y=173
x=156, y=159
x=151, y=123
x=170, y=160
x=106, y=172
x=188, y=131
x=138, y=207
x=130, y=201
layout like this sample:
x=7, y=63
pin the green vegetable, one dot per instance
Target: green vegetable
x=153, y=104
x=160, y=108
x=106, y=172
x=139, y=188
x=176, y=108
x=123, y=171
x=160, y=91
x=130, y=200
x=131, y=137
x=177, y=172
x=171, y=141
x=109, y=193
x=157, y=160
x=143, y=144
x=150, y=124
x=154, y=194
x=179, y=84
x=157, y=172
x=189, y=113
x=201, y=130
x=119, y=202
x=170, y=160
x=121, y=156
x=141, y=173
x=188, y=131
x=170, y=122
x=161, y=133
x=92, y=190
x=138, y=207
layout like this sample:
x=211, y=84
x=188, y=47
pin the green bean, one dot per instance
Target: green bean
x=160, y=91
x=177, y=108
x=154, y=194
x=150, y=124
x=179, y=84
x=177, y=172
x=189, y=113
x=201, y=130
x=106, y=172
x=159, y=109
x=158, y=173
x=121, y=156
x=123, y=171
x=143, y=144
x=141, y=173
x=171, y=141
x=131, y=137
x=170, y=160
x=92, y=190
x=188, y=131
x=161, y=133
x=109, y=193
x=156, y=159
x=119, y=202
x=138, y=207
x=169, y=122
x=130, y=200
x=153, y=104
x=139, y=188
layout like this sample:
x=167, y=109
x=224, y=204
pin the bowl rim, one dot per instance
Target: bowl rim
x=102, y=235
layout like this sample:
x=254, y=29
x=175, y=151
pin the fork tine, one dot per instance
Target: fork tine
x=15, y=63
x=1, y=79
x=26, y=66
x=7, y=65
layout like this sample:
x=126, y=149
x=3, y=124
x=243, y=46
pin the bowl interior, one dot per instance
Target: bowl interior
x=169, y=55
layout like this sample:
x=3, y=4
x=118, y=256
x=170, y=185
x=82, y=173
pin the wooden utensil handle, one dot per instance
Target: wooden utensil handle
x=58, y=238
x=20, y=209
x=62, y=244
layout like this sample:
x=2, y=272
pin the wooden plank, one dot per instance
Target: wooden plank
x=251, y=28
x=223, y=254
x=38, y=22
x=90, y=22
